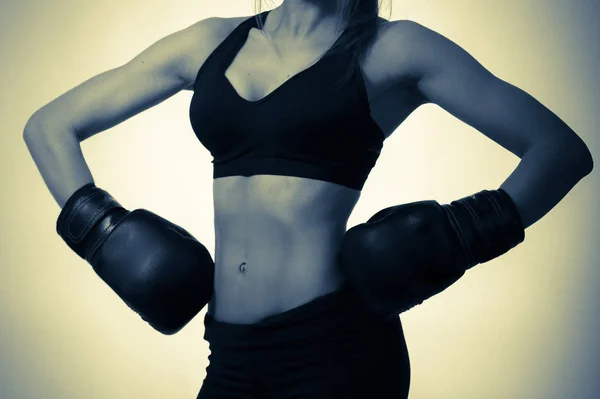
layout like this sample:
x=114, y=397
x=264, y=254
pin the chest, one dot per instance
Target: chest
x=259, y=70
x=252, y=97
x=269, y=79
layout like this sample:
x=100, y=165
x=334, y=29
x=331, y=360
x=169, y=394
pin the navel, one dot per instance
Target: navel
x=243, y=267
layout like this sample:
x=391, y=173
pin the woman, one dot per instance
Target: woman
x=293, y=105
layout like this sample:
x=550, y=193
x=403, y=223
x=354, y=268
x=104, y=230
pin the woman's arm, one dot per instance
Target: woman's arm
x=553, y=157
x=53, y=133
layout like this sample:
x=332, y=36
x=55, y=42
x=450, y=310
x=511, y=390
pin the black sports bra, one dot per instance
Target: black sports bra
x=306, y=127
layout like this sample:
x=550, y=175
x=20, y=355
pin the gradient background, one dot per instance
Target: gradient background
x=525, y=325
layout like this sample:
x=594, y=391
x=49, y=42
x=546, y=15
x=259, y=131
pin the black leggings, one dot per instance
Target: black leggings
x=330, y=347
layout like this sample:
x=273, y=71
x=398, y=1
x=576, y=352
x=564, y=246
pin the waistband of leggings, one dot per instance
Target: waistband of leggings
x=327, y=314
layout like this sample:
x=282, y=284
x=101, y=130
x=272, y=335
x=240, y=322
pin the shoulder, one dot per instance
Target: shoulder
x=215, y=27
x=387, y=60
x=413, y=50
x=208, y=33
x=405, y=51
x=399, y=39
x=202, y=38
x=395, y=35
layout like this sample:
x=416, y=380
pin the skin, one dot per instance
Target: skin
x=286, y=230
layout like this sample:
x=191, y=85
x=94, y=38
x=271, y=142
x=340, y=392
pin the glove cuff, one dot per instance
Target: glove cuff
x=87, y=218
x=487, y=224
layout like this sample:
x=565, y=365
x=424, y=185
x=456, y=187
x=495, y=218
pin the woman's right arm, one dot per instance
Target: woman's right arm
x=53, y=133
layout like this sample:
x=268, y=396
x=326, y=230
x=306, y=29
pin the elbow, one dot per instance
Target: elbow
x=32, y=128
x=43, y=126
x=585, y=159
x=580, y=157
x=589, y=163
x=36, y=125
x=34, y=136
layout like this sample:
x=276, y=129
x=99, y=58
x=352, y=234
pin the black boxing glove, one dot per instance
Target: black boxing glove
x=405, y=254
x=156, y=267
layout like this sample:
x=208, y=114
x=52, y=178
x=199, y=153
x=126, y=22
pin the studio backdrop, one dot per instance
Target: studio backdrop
x=525, y=325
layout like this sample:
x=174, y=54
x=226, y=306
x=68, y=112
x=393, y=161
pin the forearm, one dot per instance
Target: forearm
x=545, y=174
x=59, y=159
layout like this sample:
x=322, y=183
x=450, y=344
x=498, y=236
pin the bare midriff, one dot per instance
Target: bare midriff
x=277, y=239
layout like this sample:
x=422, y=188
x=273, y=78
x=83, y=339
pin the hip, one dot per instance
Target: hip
x=331, y=346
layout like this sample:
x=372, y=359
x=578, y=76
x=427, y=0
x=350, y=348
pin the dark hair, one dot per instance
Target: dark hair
x=359, y=32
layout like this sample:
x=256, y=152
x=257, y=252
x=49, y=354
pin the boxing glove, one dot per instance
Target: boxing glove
x=405, y=254
x=156, y=267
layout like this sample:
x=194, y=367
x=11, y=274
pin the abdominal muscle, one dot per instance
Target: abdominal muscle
x=277, y=239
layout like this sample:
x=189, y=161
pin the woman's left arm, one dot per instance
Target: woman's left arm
x=553, y=157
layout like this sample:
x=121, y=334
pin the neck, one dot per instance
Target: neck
x=304, y=19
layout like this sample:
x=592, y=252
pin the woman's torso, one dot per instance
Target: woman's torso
x=277, y=236
x=276, y=243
